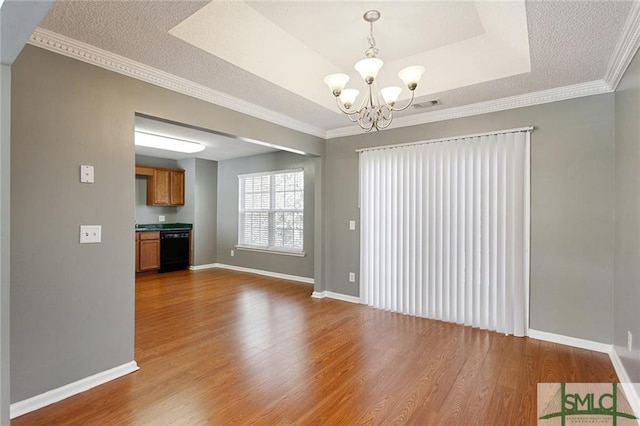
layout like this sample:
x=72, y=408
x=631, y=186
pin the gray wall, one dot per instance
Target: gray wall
x=5, y=163
x=72, y=305
x=146, y=214
x=571, y=208
x=627, y=224
x=228, y=172
x=18, y=19
x=187, y=213
x=206, y=213
x=200, y=209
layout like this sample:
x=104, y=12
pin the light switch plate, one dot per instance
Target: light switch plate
x=161, y=218
x=86, y=174
x=90, y=234
x=352, y=225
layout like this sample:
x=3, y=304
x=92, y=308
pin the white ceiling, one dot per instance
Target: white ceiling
x=290, y=44
x=273, y=54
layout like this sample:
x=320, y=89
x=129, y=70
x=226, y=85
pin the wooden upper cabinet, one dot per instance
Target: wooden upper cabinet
x=176, y=193
x=165, y=187
x=158, y=188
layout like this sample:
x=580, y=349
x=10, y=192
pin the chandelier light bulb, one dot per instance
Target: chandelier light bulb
x=336, y=83
x=368, y=68
x=411, y=76
x=390, y=94
x=348, y=97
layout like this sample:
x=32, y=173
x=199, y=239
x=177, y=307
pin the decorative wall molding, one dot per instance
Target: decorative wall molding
x=305, y=280
x=336, y=296
x=626, y=48
x=630, y=389
x=596, y=87
x=28, y=405
x=570, y=341
x=66, y=46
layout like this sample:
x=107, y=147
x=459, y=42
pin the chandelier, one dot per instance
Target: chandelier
x=372, y=112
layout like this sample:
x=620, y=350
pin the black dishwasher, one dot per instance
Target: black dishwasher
x=174, y=251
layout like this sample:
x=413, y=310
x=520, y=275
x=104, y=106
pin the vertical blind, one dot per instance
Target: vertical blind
x=445, y=230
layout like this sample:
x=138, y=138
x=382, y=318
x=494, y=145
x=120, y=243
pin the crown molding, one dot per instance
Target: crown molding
x=66, y=46
x=626, y=48
x=528, y=99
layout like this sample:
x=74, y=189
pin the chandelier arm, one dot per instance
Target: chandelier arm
x=365, y=119
x=348, y=112
x=365, y=100
x=340, y=107
x=387, y=119
x=353, y=117
x=413, y=93
x=382, y=116
x=371, y=96
x=386, y=113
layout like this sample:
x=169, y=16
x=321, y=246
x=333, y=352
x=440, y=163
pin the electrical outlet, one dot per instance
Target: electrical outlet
x=233, y=253
x=629, y=340
x=352, y=277
x=161, y=218
x=90, y=234
x=352, y=225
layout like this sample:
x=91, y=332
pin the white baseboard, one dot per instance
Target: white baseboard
x=570, y=341
x=337, y=296
x=254, y=271
x=28, y=405
x=630, y=388
x=205, y=266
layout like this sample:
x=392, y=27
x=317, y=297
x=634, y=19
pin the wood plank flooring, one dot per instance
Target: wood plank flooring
x=220, y=347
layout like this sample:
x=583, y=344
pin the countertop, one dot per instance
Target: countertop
x=164, y=227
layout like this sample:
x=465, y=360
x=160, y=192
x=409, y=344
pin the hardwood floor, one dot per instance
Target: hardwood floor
x=222, y=347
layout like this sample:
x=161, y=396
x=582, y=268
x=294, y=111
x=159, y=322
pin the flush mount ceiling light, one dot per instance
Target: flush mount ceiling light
x=372, y=113
x=150, y=140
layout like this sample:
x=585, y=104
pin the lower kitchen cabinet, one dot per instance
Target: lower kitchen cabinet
x=147, y=251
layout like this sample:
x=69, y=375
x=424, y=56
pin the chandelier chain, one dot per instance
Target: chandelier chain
x=372, y=51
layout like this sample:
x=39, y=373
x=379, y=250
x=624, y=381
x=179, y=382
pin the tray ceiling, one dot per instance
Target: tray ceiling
x=274, y=54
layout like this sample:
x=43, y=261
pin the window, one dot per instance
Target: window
x=271, y=211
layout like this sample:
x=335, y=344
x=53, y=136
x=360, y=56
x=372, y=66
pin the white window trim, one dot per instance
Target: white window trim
x=275, y=172
x=262, y=249
x=271, y=250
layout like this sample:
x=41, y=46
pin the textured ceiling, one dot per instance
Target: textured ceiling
x=569, y=42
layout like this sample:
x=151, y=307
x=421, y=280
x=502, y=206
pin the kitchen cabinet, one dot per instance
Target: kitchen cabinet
x=158, y=188
x=165, y=187
x=147, y=251
x=176, y=187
